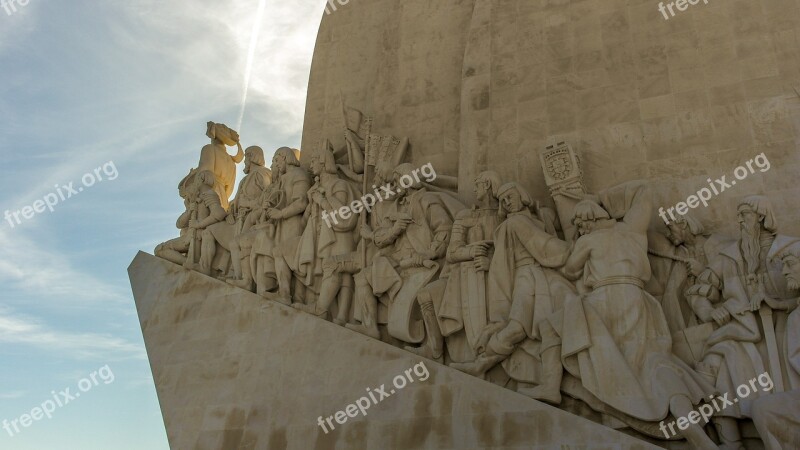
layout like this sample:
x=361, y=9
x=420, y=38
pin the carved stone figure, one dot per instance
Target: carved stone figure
x=676, y=259
x=175, y=250
x=243, y=215
x=461, y=311
x=329, y=237
x=377, y=219
x=777, y=416
x=731, y=292
x=214, y=157
x=382, y=154
x=287, y=202
x=614, y=338
x=203, y=209
x=412, y=253
x=522, y=287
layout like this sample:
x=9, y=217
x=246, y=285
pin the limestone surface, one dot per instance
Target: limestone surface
x=234, y=371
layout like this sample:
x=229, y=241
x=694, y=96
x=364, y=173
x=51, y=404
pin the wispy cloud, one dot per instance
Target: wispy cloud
x=16, y=329
x=28, y=268
x=12, y=395
x=213, y=44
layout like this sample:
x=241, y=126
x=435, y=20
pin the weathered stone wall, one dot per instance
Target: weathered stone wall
x=399, y=61
x=482, y=84
x=234, y=371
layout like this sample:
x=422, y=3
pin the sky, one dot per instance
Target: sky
x=103, y=109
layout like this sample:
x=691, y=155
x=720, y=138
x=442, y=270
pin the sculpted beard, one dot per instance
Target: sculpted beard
x=751, y=245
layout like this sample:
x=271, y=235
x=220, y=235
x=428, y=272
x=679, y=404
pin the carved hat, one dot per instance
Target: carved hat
x=762, y=206
x=587, y=210
x=523, y=194
x=186, y=183
x=789, y=247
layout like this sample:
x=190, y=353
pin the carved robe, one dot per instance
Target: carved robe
x=319, y=240
x=777, y=416
x=525, y=288
x=615, y=339
x=291, y=188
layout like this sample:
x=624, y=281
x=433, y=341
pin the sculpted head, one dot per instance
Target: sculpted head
x=684, y=229
x=586, y=216
x=323, y=162
x=755, y=213
x=487, y=184
x=384, y=172
x=790, y=257
x=513, y=198
x=253, y=156
x=187, y=184
x=284, y=157
x=406, y=177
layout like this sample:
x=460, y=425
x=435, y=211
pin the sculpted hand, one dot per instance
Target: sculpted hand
x=317, y=197
x=274, y=213
x=401, y=225
x=366, y=232
x=479, y=249
x=694, y=267
x=721, y=316
x=418, y=261
x=194, y=224
x=755, y=302
x=482, y=263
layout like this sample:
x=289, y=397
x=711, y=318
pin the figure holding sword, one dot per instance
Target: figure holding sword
x=736, y=292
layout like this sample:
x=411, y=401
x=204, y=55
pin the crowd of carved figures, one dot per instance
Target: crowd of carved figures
x=587, y=303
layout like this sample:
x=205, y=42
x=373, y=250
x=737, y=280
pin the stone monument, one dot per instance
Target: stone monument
x=585, y=238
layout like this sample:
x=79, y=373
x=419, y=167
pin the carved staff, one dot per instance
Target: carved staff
x=191, y=255
x=368, y=174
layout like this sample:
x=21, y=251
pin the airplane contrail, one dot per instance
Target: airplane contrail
x=251, y=53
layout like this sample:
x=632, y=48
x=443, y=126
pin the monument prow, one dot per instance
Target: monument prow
x=235, y=371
